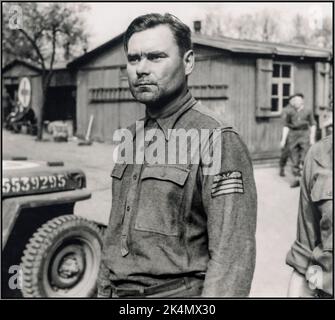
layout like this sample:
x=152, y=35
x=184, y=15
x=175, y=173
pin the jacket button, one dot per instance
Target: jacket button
x=128, y=208
x=134, y=176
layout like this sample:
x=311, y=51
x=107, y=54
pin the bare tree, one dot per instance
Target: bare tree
x=301, y=30
x=245, y=26
x=50, y=32
x=323, y=33
x=269, y=26
x=217, y=24
x=262, y=26
x=308, y=32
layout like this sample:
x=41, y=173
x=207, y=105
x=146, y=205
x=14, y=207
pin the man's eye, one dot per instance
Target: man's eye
x=155, y=57
x=133, y=58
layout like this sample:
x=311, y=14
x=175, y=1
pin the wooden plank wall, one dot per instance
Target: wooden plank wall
x=239, y=109
x=104, y=72
x=108, y=116
x=262, y=136
x=82, y=102
x=304, y=82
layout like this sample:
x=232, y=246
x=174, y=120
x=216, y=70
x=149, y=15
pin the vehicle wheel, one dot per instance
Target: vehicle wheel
x=62, y=259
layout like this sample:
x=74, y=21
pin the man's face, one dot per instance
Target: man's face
x=297, y=102
x=156, y=71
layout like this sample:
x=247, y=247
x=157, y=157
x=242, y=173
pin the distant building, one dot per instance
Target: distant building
x=246, y=82
x=61, y=97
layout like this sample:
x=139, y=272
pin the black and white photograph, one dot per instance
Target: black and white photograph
x=158, y=150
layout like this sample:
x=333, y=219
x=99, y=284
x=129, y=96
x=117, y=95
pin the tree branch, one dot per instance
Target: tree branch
x=53, y=53
x=33, y=43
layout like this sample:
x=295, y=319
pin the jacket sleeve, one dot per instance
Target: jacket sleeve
x=307, y=227
x=230, y=202
x=312, y=252
x=103, y=281
x=286, y=118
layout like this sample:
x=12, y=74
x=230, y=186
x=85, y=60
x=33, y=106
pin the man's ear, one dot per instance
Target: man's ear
x=189, y=62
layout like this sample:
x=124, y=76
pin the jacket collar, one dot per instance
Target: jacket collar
x=168, y=121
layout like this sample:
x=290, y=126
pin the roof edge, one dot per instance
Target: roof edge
x=90, y=54
x=268, y=48
x=15, y=61
x=228, y=44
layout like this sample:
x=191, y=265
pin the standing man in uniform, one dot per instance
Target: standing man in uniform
x=284, y=152
x=299, y=131
x=311, y=255
x=175, y=230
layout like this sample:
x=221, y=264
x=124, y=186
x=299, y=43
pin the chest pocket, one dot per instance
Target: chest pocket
x=117, y=174
x=161, y=195
x=118, y=170
x=322, y=197
x=322, y=189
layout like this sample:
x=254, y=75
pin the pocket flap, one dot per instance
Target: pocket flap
x=322, y=189
x=174, y=174
x=118, y=170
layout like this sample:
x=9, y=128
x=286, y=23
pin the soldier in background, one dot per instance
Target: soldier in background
x=311, y=255
x=284, y=150
x=299, y=133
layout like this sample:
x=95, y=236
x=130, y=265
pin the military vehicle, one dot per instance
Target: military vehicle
x=47, y=251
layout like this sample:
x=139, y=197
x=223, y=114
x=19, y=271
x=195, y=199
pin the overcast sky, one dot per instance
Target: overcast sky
x=106, y=20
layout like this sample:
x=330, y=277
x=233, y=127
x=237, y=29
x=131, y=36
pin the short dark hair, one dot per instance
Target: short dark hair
x=296, y=95
x=180, y=31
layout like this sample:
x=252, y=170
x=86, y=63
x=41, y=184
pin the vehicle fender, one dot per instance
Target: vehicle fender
x=12, y=207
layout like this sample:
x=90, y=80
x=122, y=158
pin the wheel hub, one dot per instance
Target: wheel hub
x=68, y=267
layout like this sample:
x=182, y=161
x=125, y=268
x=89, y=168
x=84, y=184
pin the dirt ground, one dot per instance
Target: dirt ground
x=277, y=202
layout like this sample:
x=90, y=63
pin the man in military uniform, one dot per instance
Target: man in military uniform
x=311, y=255
x=285, y=151
x=299, y=133
x=177, y=229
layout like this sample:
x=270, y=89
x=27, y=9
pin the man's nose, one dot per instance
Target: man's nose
x=142, y=67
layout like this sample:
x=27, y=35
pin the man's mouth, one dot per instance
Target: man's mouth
x=144, y=86
x=143, y=83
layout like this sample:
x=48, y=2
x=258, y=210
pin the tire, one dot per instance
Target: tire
x=62, y=259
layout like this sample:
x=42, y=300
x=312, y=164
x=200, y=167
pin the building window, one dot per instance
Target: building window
x=282, y=86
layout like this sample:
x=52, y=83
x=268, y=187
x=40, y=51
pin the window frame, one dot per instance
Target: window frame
x=280, y=81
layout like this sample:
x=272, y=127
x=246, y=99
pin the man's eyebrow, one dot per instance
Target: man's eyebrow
x=157, y=53
x=132, y=55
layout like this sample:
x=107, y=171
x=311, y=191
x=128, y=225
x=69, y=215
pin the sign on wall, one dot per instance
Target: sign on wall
x=24, y=92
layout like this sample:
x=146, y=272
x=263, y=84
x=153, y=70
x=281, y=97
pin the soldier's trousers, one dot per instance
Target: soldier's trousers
x=284, y=155
x=298, y=145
